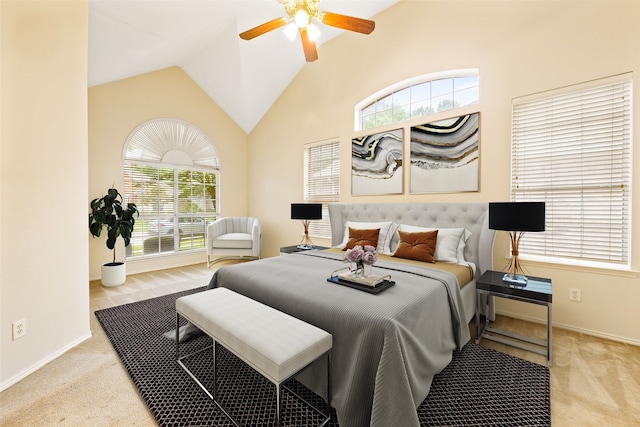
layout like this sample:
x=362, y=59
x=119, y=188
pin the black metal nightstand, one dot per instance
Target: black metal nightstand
x=293, y=249
x=537, y=291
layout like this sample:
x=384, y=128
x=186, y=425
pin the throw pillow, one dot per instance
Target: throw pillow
x=362, y=237
x=417, y=246
x=387, y=229
x=450, y=245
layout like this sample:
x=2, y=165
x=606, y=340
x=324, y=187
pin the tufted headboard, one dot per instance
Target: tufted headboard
x=472, y=216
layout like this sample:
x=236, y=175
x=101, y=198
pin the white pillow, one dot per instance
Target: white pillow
x=463, y=244
x=450, y=244
x=387, y=229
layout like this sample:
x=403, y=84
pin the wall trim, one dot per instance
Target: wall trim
x=162, y=262
x=572, y=328
x=21, y=375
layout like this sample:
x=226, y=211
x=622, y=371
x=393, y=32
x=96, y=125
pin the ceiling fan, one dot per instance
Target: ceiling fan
x=299, y=19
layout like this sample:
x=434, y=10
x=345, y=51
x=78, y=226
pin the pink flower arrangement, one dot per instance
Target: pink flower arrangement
x=361, y=256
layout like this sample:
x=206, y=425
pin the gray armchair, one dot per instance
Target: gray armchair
x=233, y=237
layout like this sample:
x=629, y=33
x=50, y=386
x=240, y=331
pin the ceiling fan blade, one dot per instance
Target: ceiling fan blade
x=345, y=22
x=309, y=47
x=263, y=28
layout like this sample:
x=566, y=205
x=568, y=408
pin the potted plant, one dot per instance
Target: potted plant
x=109, y=212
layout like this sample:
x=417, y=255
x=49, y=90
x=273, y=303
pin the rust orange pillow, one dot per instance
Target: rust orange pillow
x=418, y=246
x=362, y=237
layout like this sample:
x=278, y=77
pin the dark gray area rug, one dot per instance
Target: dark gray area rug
x=480, y=387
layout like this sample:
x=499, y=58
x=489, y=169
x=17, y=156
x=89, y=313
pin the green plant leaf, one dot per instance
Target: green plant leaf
x=111, y=242
x=95, y=229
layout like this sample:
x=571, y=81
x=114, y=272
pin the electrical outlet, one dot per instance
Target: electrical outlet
x=19, y=328
x=575, y=294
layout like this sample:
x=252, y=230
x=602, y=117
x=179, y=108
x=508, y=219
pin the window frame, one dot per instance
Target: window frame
x=556, y=243
x=408, y=84
x=322, y=228
x=171, y=145
x=172, y=219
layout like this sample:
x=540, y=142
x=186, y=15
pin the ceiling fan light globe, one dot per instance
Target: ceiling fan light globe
x=291, y=30
x=313, y=32
x=301, y=18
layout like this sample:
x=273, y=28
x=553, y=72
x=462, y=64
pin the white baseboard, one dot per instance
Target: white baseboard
x=591, y=332
x=16, y=378
x=161, y=262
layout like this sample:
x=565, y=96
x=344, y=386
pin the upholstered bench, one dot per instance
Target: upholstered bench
x=275, y=344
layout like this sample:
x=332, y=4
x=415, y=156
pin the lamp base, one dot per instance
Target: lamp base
x=305, y=243
x=515, y=279
x=512, y=276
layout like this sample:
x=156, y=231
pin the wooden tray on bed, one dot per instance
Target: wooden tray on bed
x=382, y=286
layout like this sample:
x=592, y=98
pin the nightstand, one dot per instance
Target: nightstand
x=293, y=249
x=536, y=291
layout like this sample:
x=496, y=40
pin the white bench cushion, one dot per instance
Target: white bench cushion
x=274, y=343
x=233, y=240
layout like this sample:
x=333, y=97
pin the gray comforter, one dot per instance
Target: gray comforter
x=386, y=347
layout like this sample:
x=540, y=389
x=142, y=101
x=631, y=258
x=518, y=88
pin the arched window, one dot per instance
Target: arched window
x=171, y=172
x=417, y=97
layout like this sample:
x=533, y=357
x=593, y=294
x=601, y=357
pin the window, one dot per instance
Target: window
x=572, y=150
x=322, y=182
x=428, y=94
x=171, y=174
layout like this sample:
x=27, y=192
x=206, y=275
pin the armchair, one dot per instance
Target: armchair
x=233, y=237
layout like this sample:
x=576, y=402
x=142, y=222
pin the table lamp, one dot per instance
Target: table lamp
x=516, y=218
x=306, y=212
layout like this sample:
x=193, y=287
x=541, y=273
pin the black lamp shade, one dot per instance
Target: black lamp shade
x=517, y=216
x=306, y=211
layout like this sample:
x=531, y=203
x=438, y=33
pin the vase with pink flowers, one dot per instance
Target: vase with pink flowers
x=361, y=259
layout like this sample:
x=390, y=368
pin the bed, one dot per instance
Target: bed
x=387, y=347
x=471, y=216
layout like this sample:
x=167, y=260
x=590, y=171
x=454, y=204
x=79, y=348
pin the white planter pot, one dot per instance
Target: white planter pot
x=114, y=274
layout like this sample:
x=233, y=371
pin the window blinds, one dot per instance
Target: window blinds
x=573, y=151
x=322, y=182
x=172, y=202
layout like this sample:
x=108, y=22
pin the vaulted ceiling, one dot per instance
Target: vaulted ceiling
x=131, y=37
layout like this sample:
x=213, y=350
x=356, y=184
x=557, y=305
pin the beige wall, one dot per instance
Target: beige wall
x=115, y=109
x=43, y=182
x=519, y=47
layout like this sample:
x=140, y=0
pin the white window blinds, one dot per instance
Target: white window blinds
x=572, y=150
x=322, y=182
x=175, y=205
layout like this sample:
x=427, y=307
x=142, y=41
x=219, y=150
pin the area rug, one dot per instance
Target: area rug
x=480, y=386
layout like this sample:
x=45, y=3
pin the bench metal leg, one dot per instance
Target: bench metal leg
x=180, y=358
x=326, y=414
x=329, y=382
x=215, y=373
x=279, y=404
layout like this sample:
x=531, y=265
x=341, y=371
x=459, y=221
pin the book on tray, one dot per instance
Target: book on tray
x=370, y=280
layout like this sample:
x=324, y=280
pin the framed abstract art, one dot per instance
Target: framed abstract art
x=445, y=155
x=376, y=163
